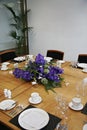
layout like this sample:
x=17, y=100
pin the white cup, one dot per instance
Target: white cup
x=31, y=57
x=4, y=67
x=58, y=63
x=35, y=96
x=76, y=102
x=16, y=65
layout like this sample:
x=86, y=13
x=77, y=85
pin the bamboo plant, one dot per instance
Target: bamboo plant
x=19, y=29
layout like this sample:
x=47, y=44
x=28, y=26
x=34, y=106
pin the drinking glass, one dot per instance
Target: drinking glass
x=62, y=108
x=58, y=98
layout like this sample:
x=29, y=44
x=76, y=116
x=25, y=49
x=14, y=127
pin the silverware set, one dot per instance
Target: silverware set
x=16, y=110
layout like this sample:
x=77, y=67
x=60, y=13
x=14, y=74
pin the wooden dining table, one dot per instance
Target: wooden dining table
x=21, y=92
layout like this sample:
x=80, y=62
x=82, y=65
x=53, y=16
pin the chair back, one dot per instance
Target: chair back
x=7, y=55
x=82, y=58
x=55, y=54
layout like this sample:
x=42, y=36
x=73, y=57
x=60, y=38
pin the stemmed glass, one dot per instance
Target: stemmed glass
x=62, y=107
x=58, y=98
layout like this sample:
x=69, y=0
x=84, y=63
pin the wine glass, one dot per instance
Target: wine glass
x=58, y=98
x=64, y=110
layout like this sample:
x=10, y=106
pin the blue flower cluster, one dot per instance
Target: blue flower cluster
x=40, y=71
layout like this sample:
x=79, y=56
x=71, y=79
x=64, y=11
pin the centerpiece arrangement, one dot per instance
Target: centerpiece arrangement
x=42, y=72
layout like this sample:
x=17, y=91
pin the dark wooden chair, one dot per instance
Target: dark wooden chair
x=82, y=58
x=7, y=55
x=55, y=54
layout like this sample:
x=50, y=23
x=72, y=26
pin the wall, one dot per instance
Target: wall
x=58, y=24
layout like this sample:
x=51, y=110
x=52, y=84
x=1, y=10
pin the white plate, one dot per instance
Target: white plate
x=5, y=63
x=7, y=104
x=35, y=102
x=30, y=56
x=48, y=59
x=20, y=58
x=33, y=119
x=84, y=70
x=74, y=108
x=82, y=65
x=85, y=127
x=61, y=61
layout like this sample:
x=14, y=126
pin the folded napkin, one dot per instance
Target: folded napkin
x=50, y=126
x=84, y=110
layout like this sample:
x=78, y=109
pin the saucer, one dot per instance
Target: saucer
x=4, y=68
x=85, y=127
x=84, y=70
x=35, y=102
x=74, y=108
x=61, y=61
x=5, y=63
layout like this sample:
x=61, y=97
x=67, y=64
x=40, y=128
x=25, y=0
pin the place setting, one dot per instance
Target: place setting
x=34, y=118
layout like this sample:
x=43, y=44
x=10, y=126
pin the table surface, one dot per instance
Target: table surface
x=22, y=90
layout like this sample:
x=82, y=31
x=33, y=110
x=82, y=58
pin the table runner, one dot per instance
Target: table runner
x=50, y=126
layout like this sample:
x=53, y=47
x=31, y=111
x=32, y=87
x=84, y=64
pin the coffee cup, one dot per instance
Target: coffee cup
x=76, y=102
x=4, y=67
x=35, y=96
x=16, y=65
x=58, y=63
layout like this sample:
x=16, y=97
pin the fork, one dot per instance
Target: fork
x=17, y=109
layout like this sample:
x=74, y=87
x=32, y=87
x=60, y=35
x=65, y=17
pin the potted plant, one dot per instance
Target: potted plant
x=19, y=30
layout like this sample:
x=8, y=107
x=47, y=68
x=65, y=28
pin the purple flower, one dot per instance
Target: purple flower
x=40, y=59
x=40, y=71
x=18, y=73
x=26, y=75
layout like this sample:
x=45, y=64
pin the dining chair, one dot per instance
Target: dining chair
x=82, y=58
x=7, y=55
x=55, y=54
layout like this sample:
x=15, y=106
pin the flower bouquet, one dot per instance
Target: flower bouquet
x=42, y=72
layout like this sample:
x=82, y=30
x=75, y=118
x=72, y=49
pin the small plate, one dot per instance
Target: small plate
x=4, y=68
x=61, y=61
x=48, y=59
x=85, y=127
x=82, y=65
x=7, y=104
x=84, y=70
x=35, y=102
x=74, y=108
x=5, y=63
x=20, y=58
